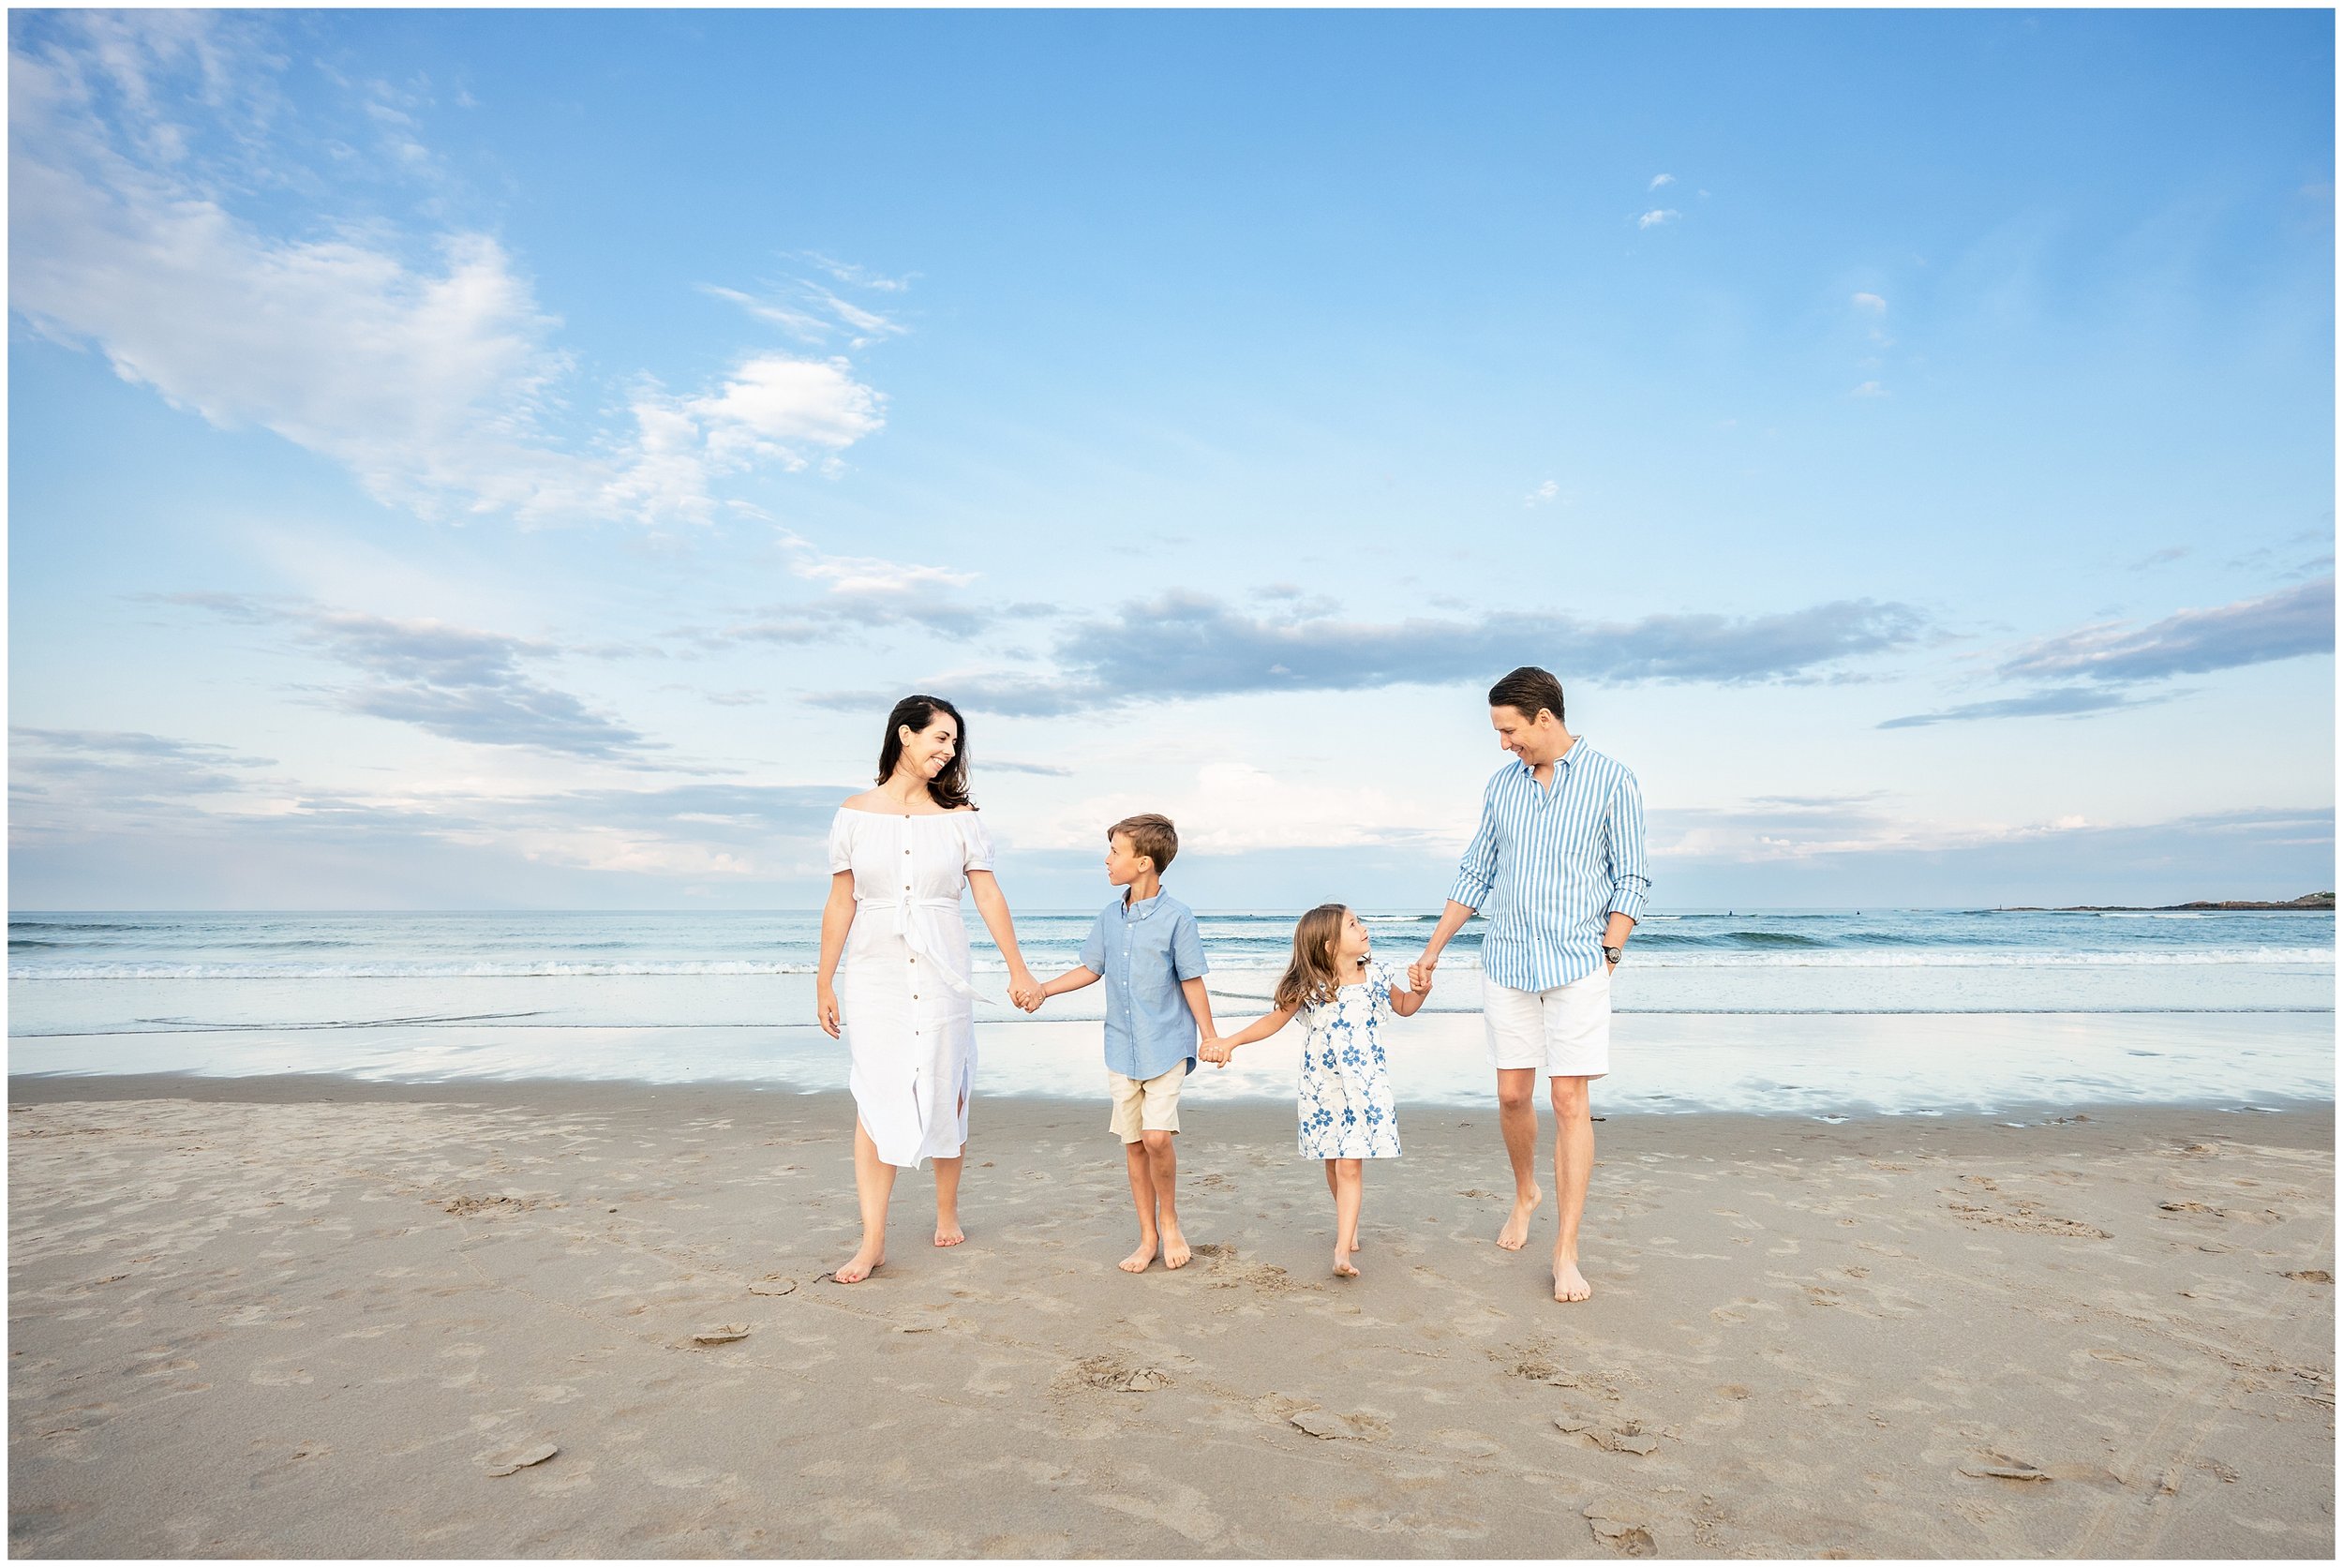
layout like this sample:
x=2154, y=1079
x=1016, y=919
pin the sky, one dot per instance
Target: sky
x=514, y=459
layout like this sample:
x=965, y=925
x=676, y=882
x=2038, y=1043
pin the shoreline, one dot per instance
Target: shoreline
x=292, y=1088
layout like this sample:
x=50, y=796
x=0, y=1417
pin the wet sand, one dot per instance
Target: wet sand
x=282, y=1317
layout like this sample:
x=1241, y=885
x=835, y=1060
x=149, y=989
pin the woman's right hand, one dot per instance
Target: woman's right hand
x=825, y=1010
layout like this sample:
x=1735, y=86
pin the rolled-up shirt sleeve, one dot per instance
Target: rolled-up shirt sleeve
x=1623, y=833
x=1476, y=873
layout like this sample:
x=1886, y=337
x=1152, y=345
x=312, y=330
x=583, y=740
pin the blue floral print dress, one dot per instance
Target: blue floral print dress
x=1344, y=1099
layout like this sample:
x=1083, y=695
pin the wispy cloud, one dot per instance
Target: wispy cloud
x=1659, y=180
x=817, y=314
x=2287, y=624
x=454, y=682
x=1870, y=389
x=422, y=364
x=2056, y=702
x=2098, y=667
x=1656, y=216
x=1871, y=305
x=1189, y=644
x=1543, y=494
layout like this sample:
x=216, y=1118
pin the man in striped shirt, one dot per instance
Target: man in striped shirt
x=1558, y=865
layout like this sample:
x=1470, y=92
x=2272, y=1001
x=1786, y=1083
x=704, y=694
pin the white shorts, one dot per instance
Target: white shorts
x=1564, y=1029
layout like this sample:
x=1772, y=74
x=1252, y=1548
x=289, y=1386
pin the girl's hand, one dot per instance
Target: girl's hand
x=1217, y=1051
x=825, y=1010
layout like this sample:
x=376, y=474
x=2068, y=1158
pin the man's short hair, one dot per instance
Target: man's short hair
x=1527, y=689
x=1151, y=835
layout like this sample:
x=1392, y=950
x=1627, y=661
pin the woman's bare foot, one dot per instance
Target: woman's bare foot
x=947, y=1232
x=1344, y=1268
x=855, y=1270
x=1569, y=1284
x=1514, y=1234
x=1142, y=1255
x=1175, y=1250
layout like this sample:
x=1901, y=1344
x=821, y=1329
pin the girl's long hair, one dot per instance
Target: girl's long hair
x=949, y=788
x=1311, y=977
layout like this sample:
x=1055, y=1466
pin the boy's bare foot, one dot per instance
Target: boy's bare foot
x=947, y=1233
x=1344, y=1268
x=855, y=1270
x=1175, y=1252
x=1142, y=1255
x=1569, y=1284
x=1354, y=1245
x=1515, y=1231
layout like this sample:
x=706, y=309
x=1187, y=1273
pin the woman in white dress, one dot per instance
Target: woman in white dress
x=900, y=856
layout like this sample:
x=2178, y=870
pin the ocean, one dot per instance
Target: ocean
x=1820, y=1013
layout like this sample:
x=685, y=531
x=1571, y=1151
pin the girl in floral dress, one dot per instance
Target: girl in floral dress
x=1343, y=1097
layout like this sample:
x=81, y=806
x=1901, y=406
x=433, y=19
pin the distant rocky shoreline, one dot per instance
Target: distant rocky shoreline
x=2308, y=902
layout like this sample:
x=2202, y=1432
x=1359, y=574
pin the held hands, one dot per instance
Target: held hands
x=1215, y=1050
x=825, y=1010
x=1026, y=993
x=1420, y=972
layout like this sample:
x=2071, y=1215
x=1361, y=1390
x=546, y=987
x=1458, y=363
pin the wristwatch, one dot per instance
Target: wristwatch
x=1611, y=955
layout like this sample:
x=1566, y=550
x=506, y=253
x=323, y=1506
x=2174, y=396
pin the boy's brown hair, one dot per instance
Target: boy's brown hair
x=1151, y=835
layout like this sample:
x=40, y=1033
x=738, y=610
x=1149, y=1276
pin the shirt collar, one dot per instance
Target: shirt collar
x=1576, y=741
x=1138, y=908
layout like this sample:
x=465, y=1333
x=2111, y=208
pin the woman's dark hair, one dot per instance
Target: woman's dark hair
x=1527, y=689
x=949, y=788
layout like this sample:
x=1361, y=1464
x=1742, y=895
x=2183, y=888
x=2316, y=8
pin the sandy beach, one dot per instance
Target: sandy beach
x=286, y=1317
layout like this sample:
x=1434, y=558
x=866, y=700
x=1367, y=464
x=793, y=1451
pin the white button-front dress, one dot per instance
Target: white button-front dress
x=904, y=1002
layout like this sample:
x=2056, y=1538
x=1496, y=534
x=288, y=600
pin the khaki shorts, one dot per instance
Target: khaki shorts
x=1564, y=1031
x=1149, y=1105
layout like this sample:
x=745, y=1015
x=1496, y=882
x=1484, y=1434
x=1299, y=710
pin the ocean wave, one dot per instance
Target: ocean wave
x=1650, y=955
x=477, y=971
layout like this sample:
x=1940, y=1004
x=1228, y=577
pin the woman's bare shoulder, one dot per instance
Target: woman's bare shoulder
x=867, y=801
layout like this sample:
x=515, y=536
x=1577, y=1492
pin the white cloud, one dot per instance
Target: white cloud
x=425, y=366
x=1870, y=303
x=1658, y=215
x=867, y=574
x=1659, y=180
x=1547, y=492
x=1871, y=389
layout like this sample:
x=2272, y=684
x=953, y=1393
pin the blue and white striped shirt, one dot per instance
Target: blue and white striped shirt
x=1549, y=868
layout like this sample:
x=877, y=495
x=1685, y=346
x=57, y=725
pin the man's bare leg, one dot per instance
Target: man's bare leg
x=1574, y=1164
x=1141, y=1172
x=1163, y=1166
x=1517, y=1119
x=873, y=1183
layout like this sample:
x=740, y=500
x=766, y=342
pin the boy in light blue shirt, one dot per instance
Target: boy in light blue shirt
x=1145, y=947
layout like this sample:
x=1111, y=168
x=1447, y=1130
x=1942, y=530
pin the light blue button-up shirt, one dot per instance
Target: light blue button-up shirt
x=1549, y=866
x=1143, y=950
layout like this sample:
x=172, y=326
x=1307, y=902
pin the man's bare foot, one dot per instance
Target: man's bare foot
x=947, y=1232
x=1175, y=1252
x=855, y=1270
x=1344, y=1268
x=1569, y=1284
x=1514, y=1235
x=1142, y=1255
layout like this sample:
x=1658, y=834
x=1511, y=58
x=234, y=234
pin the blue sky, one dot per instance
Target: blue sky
x=514, y=458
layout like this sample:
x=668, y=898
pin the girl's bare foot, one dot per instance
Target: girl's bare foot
x=1175, y=1252
x=1144, y=1254
x=1514, y=1233
x=947, y=1232
x=855, y=1270
x=1569, y=1284
x=1344, y=1269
